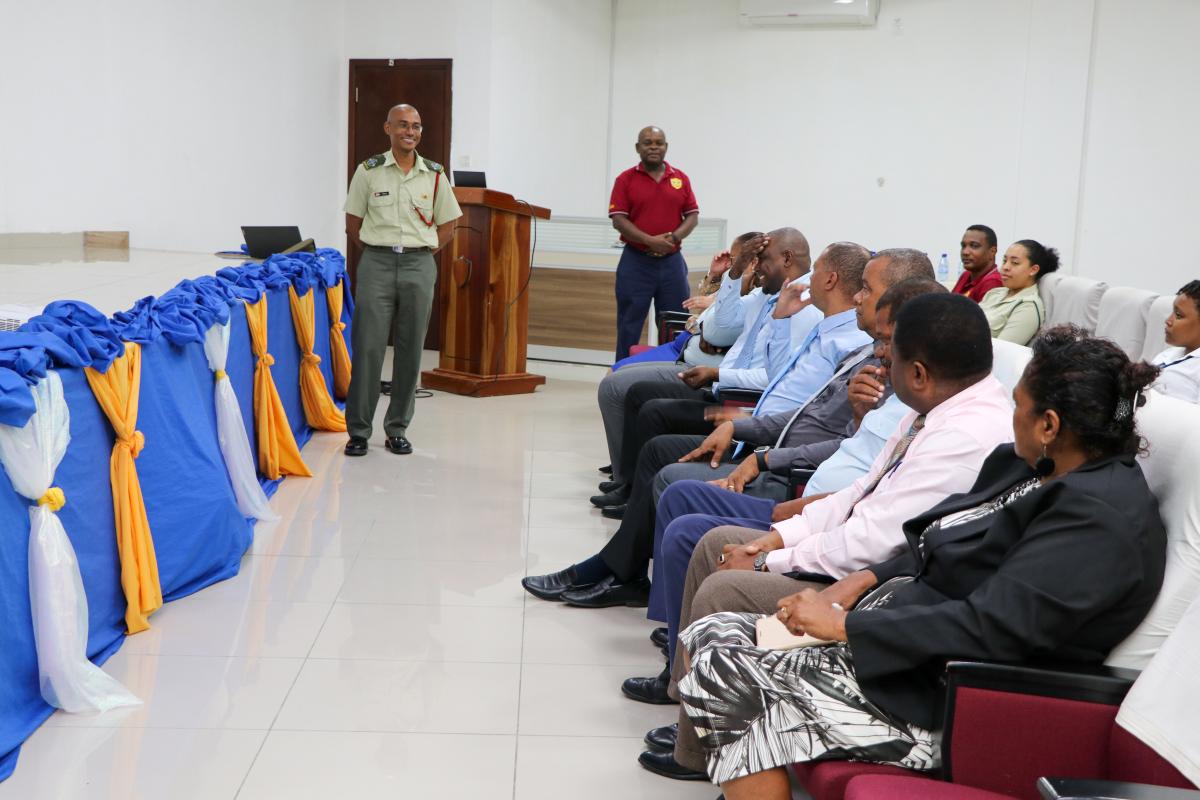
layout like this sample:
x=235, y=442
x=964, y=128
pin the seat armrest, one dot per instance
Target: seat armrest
x=798, y=478
x=731, y=395
x=1077, y=789
x=1085, y=682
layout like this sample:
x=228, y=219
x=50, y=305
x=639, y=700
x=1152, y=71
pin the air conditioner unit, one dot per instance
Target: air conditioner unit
x=809, y=13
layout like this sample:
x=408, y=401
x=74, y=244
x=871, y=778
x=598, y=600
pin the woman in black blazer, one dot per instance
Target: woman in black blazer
x=1056, y=553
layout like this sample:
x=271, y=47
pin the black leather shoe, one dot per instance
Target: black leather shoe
x=357, y=446
x=610, y=592
x=663, y=738
x=606, y=469
x=664, y=764
x=616, y=497
x=649, y=690
x=552, y=586
x=398, y=445
x=385, y=387
x=613, y=512
x=610, y=486
x=659, y=637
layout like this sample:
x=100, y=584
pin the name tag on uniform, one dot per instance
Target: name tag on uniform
x=381, y=194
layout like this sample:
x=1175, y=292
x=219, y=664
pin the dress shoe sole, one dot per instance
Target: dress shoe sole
x=677, y=776
x=666, y=701
x=634, y=603
x=613, y=512
x=554, y=597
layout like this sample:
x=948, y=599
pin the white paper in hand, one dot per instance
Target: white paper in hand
x=772, y=634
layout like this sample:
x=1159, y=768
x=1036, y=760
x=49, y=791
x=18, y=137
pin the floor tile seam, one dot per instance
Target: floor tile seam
x=291, y=687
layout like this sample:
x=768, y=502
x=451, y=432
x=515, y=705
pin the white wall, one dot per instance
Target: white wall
x=899, y=135
x=1140, y=206
x=1070, y=121
x=177, y=121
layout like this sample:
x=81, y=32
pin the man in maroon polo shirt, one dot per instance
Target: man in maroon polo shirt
x=654, y=209
x=978, y=253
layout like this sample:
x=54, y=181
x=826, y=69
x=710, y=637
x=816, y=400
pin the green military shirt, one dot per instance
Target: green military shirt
x=392, y=204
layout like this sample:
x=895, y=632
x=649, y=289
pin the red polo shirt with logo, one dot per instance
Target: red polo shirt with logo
x=977, y=289
x=655, y=207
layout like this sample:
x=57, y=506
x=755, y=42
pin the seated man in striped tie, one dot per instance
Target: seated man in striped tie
x=617, y=575
x=941, y=362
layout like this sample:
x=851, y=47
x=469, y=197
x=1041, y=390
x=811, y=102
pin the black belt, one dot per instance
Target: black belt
x=382, y=248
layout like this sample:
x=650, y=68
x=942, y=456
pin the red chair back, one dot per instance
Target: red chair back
x=1003, y=741
x=1131, y=760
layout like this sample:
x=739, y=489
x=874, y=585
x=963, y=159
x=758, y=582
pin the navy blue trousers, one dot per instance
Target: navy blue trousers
x=640, y=279
x=686, y=511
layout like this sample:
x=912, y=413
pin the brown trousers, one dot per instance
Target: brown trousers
x=707, y=590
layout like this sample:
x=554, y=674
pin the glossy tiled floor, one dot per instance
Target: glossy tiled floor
x=377, y=643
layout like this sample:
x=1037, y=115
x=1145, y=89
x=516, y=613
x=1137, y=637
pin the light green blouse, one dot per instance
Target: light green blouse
x=1016, y=318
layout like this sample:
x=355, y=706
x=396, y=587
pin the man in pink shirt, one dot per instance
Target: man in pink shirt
x=978, y=253
x=940, y=366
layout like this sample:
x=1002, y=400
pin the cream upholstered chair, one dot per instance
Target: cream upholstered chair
x=1122, y=318
x=1046, y=285
x=1008, y=362
x=1171, y=428
x=1076, y=300
x=1156, y=318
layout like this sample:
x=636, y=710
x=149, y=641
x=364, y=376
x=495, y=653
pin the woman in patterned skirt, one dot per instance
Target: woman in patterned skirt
x=1057, y=553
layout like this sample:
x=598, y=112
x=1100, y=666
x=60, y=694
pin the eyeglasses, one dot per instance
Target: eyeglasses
x=404, y=126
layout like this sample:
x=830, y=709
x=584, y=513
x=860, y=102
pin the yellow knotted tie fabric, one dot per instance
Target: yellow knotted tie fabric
x=339, y=356
x=319, y=409
x=54, y=498
x=117, y=393
x=278, y=454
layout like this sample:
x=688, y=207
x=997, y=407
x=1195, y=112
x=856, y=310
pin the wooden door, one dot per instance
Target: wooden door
x=377, y=84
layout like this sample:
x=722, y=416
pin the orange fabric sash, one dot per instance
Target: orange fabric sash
x=277, y=451
x=117, y=393
x=319, y=408
x=339, y=356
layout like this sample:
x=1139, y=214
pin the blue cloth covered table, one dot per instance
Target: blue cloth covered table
x=199, y=534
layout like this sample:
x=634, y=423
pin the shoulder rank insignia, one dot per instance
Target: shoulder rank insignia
x=677, y=183
x=375, y=161
x=433, y=165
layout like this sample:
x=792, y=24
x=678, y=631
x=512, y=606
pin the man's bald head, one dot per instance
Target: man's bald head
x=651, y=147
x=403, y=128
x=790, y=240
x=400, y=108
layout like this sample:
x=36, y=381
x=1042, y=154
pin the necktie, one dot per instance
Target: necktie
x=746, y=357
x=893, y=460
x=812, y=334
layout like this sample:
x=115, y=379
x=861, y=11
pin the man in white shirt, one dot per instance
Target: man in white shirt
x=941, y=361
x=1180, y=363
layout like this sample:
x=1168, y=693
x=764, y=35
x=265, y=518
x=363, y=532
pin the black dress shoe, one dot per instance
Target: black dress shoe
x=357, y=446
x=606, y=469
x=552, y=586
x=649, y=690
x=659, y=637
x=610, y=486
x=398, y=445
x=616, y=497
x=385, y=387
x=613, y=512
x=664, y=764
x=663, y=738
x=610, y=592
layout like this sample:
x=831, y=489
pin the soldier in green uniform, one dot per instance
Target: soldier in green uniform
x=401, y=208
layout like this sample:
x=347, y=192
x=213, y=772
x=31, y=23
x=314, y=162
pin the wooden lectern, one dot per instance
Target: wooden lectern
x=484, y=298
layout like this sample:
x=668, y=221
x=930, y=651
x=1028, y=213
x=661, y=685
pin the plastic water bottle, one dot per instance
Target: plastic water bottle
x=943, y=268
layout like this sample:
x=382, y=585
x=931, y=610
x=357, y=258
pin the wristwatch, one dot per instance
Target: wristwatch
x=760, y=457
x=760, y=562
